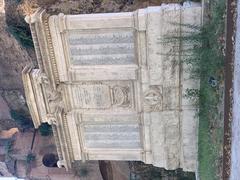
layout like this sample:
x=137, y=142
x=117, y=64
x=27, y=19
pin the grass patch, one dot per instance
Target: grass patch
x=203, y=53
x=140, y=170
x=206, y=61
x=211, y=65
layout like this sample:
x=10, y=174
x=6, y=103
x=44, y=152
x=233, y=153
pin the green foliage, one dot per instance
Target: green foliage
x=45, y=129
x=155, y=173
x=22, y=34
x=8, y=147
x=211, y=65
x=83, y=171
x=30, y=158
x=193, y=95
x=18, y=1
x=22, y=119
x=80, y=169
x=16, y=24
x=204, y=57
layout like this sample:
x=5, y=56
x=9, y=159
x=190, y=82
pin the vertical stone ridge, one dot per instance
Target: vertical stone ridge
x=36, y=45
x=63, y=140
x=180, y=91
x=68, y=140
x=50, y=46
x=27, y=88
x=54, y=128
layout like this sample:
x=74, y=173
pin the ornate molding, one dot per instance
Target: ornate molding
x=51, y=119
x=53, y=97
x=36, y=46
x=52, y=59
x=68, y=139
x=58, y=146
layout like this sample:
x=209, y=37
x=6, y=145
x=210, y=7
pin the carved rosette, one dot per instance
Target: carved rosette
x=121, y=96
x=153, y=99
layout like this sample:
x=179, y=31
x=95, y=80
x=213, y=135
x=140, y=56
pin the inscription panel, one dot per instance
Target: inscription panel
x=102, y=95
x=110, y=118
x=91, y=96
x=101, y=48
x=115, y=136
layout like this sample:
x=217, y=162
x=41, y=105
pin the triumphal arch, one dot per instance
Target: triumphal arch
x=112, y=88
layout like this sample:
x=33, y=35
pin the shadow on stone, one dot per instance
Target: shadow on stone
x=50, y=160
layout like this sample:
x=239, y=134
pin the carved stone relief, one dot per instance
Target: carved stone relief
x=53, y=97
x=102, y=95
x=153, y=99
x=121, y=96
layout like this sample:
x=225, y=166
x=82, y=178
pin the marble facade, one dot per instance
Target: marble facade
x=112, y=89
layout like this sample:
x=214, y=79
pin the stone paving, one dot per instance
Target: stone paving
x=235, y=159
x=42, y=146
x=4, y=109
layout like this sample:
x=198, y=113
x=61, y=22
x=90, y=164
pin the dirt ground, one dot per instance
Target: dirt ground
x=95, y=6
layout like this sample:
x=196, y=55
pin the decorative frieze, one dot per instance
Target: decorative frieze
x=52, y=59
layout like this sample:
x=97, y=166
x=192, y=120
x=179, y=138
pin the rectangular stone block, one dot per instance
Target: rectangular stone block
x=91, y=96
x=96, y=73
x=111, y=118
x=113, y=136
x=101, y=48
x=100, y=21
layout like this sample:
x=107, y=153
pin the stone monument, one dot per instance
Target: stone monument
x=110, y=87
